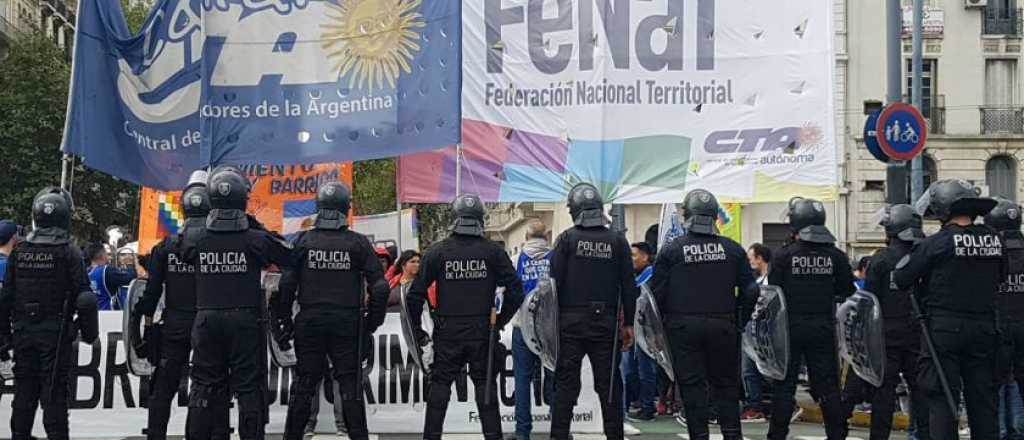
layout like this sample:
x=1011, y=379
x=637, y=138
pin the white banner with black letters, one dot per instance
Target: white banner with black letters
x=108, y=400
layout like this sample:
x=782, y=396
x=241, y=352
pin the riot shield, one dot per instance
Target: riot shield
x=132, y=330
x=859, y=324
x=423, y=355
x=650, y=331
x=766, y=336
x=538, y=318
x=283, y=357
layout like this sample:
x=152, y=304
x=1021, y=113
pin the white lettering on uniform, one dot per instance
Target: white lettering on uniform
x=811, y=265
x=465, y=269
x=594, y=249
x=1014, y=283
x=36, y=261
x=176, y=265
x=977, y=246
x=704, y=253
x=228, y=262
x=329, y=260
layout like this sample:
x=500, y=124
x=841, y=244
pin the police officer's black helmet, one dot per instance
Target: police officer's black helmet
x=195, y=200
x=949, y=198
x=229, y=194
x=51, y=208
x=901, y=222
x=228, y=188
x=807, y=220
x=1005, y=216
x=333, y=202
x=586, y=206
x=700, y=212
x=468, y=211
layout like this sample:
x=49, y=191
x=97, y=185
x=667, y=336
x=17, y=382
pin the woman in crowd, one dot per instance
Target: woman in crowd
x=405, y=271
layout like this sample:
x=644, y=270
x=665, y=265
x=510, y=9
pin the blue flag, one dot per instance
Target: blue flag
x=268, y=82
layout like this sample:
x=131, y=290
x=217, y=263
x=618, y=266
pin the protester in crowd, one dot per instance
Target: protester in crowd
x=405, y=272
x=534, y=264
x=8, y=238
x=639, y=371
x=386, y=262
x=106, y=280
x=760, y=258
x=860, y=271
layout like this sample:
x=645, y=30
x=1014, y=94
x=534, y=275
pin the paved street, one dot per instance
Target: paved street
x=664, y=428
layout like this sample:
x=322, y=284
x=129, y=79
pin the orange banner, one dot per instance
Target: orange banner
x=282, y=198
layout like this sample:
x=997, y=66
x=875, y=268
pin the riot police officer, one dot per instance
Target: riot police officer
x=593, y=271
x=468, y=269
x=229, y=349
x=903, y=228
x=1005, y=218
x=336, y=262
x=44, y=286
x=170, y=277
x=957, y=273
x=695, y=281
x=813, y=274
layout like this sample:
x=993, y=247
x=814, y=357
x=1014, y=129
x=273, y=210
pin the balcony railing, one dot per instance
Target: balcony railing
x=934, y=112
x=999, y=21
x=1002, y=120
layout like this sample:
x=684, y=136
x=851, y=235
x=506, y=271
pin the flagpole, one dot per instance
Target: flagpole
x=398, y=203
x=64, y=172
x=458, y=169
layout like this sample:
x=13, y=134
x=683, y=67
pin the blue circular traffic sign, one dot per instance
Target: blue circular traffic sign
x=901, y=131
x=871, y=137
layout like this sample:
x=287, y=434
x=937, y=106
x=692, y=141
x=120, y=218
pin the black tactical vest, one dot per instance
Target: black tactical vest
x=331, y=268
x=41, y=280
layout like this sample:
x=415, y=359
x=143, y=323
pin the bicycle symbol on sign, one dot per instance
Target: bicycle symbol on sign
x=895, y=133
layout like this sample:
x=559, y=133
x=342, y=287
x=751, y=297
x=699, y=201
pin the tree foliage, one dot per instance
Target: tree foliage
x=34, y=80
x=373, y=192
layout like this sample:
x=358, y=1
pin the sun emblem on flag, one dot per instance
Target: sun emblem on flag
x=372, y=41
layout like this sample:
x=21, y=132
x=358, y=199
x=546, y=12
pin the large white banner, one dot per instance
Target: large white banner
x=382, y=229
x=649, y=99
x=108, y=400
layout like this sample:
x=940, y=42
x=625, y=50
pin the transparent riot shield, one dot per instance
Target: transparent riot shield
x=283, y=357
x=132, y=330
x=539, y=322
x=766, y=336
x=859, y=325
x=650, y=331
x=423, y=355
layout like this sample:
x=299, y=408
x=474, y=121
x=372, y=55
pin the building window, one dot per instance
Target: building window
x=1000, y=114
x=1002, y=18
x=932, y=105
x=1001, y=177
x=931, y=171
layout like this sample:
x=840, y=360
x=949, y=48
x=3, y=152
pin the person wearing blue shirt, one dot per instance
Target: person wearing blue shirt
x=105, y=279
x=533, y=265
x=8, y=238
x=639, y=371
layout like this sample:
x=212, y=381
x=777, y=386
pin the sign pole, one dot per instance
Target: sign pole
x=398, y=205
x=916, y=171
x=895, y=170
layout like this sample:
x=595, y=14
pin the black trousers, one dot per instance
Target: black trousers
x=705, y=355
x=321, y=334
x=35, y=348
x=1013, y=341
x=902, y=352
x=812, y=339
x=229, y=356
x=458, y=342
x=587, y=334
x=175, y=348
x=966, y=347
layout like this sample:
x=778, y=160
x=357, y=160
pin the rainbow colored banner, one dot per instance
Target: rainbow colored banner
x=282, y=198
